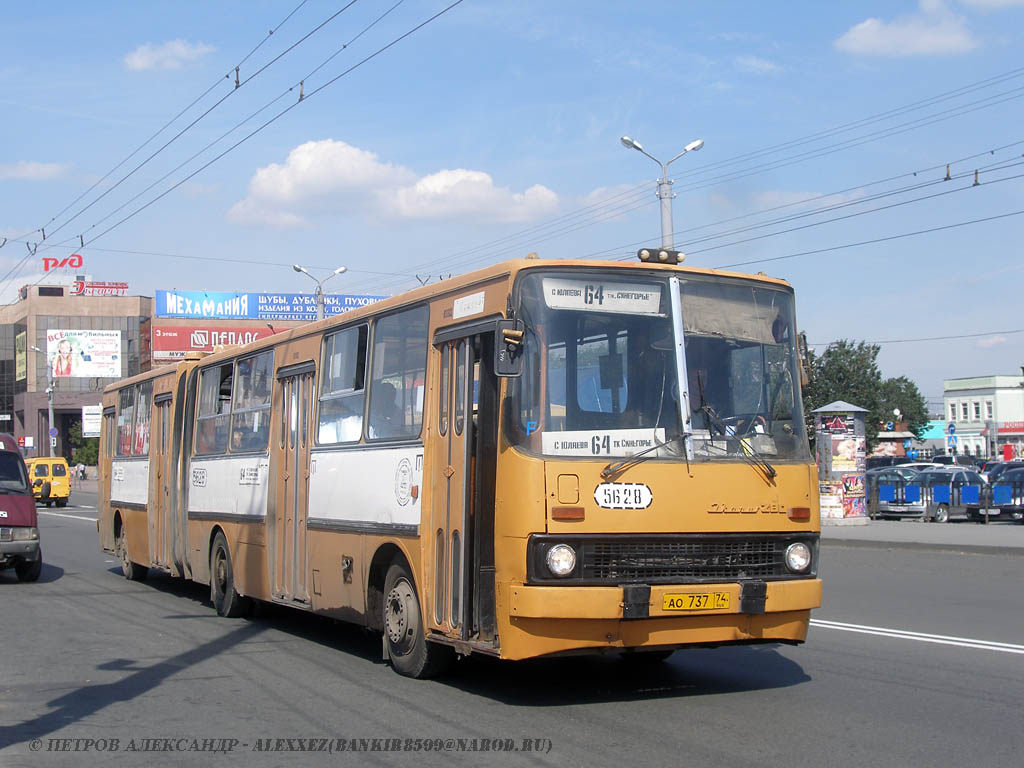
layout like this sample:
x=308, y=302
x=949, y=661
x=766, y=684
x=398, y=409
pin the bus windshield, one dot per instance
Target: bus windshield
x=599, y=375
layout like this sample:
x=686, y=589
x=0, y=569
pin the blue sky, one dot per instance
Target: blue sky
x=494, y=131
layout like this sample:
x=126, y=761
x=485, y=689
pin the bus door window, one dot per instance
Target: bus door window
x=125, y=420
x=143, y=418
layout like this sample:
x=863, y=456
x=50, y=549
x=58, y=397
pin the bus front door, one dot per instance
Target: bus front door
x=288, y=559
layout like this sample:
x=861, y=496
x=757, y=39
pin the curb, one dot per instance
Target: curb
x=963, y=549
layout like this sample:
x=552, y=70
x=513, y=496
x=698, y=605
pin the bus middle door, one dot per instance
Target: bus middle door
x=288, y=559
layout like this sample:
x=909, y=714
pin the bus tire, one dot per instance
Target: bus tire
x=941, y=514
x=132, y=571
x=225, y=597
x=62, y=502
x=29, y=571
x=410, y=653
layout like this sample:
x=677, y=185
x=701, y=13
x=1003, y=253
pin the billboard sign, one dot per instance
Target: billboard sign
x=92, y=419
x=20, y=359
x=98, y=288
x=227, y=305
x=174, y=342
x=84, y=354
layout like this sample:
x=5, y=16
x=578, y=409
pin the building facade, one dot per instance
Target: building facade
x=986, y=413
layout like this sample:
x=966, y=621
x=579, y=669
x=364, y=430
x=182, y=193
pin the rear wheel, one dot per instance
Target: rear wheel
x=62, y=502
x=411, y=654
x=941, y=514
x=29, y=571
x=132, y=571
x=225, y=597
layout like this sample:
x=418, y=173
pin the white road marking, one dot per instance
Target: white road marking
x=61, y=514
x=899, y=634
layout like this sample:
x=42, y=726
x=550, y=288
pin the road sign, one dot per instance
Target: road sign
x=951, y=428
x=951, y=441
x=53, y=431
x=53, y=442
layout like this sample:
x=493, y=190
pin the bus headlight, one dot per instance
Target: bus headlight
x=561, y=560
x=798, y=557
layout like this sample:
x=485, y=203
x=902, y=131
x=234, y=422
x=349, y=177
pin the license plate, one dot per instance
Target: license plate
x=696, y=601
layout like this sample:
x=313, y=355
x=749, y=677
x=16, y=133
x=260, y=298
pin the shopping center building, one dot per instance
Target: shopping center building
x=68, y=342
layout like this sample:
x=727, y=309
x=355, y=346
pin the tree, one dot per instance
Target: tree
x=903, y=394
x=849, y=371
x=86, y=449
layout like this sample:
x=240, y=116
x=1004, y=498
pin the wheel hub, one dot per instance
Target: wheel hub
x=397, y=621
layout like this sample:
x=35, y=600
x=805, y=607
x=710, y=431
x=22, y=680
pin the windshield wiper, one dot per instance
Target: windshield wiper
x=616, y=467
x=747, y=451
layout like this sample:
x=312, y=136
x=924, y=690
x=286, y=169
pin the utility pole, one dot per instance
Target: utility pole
x=49, y=401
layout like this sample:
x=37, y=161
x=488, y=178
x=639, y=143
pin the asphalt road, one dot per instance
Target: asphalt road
x=91, y=657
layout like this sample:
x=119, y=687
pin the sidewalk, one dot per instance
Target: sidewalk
x=1002, y=537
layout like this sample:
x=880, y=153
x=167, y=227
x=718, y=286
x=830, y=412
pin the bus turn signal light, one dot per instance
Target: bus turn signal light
x=567, y=513
x=800, y=513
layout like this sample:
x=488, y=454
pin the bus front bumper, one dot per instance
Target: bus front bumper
x=557, y=619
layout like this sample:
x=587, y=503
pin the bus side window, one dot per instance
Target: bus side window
x=342, y=389
x=399, y=375
x=214, y=409
x=250, y=408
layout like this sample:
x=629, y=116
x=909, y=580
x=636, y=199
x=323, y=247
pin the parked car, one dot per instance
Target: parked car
x=1001, y=467
x=1008, y=494
x=956, y=459
x=934, y=493
x=51, y=480
x=875, y=462
x=987, y=467
x=19, y=527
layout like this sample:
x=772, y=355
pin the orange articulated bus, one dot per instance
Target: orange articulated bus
x=537, y=458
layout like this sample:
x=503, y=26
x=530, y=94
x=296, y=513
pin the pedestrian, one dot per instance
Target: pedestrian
x=81, y=471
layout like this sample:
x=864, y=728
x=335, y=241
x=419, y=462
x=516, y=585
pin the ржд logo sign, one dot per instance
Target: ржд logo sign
x=74, y=260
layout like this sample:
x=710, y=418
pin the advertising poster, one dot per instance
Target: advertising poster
x=854, y=507
x=172, y=343
x=84, y=354
x=845, y=454
x=837, y=423
x=853, y=486
x=20, y=356
x=233, y=305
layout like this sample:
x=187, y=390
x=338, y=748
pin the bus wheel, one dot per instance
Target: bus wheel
x=411, y=654
x=941, y=514
x=225, y=598
x=132, y=571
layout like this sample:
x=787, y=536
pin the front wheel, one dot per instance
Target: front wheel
x=411, y=655
x=225, y=597
x=29, y=571
x=941, y=514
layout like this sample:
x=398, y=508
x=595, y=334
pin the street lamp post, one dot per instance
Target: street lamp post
x=664, y=185
x=49, y=398
x=319, y=287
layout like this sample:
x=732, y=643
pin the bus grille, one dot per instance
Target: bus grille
x=699, y=560
x=671, y=558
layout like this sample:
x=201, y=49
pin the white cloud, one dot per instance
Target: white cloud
x=992, y=341
x=325, y=177
x=170, y=55
x=24, y=170
x=933, y=31
x=756, y=65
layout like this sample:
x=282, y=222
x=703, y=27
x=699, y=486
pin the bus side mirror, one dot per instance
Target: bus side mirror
x=508, y=348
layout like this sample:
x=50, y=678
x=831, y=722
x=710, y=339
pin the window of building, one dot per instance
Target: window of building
x=963, y=410
x=977, y=410
x=988, y=409
x=952, y=411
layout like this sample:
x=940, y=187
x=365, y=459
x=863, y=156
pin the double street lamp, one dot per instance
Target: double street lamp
x=49, y=398
x=319, y=286
x=664, y=185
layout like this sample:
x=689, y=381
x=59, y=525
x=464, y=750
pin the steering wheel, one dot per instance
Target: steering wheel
x=743, y=423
